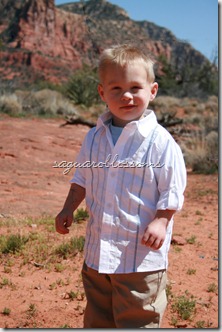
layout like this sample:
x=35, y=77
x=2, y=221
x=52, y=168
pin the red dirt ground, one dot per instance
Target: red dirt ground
x=31, y=187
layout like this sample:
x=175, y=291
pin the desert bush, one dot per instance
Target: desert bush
x=6, y=311
x=76, y=244
x=212, y=104
x=184, y=306
x=12, y=243
x=81, y=88
x=10, y=104
x=212, y=143
x=202, y=154
x=212, y=288
x=211, y=123
x=166, y=110
x=43, y=85
x=195, y=118
x=81, y=214
x=165, y=103
x=45, y=102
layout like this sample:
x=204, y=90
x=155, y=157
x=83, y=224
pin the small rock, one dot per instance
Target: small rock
x=178, y=240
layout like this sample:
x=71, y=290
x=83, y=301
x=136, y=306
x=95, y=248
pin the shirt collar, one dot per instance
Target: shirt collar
x=104, y=119
x=144, y=125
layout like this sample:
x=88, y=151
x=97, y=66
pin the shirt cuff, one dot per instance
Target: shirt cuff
x=171, y=200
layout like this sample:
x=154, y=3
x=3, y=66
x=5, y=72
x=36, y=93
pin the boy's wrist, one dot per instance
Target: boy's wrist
x=69, y=208
x=164, y=215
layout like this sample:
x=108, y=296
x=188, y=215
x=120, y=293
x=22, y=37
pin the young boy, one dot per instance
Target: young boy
x=132, y=174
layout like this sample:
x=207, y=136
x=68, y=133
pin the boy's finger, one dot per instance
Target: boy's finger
x=148, y=241
x=61, y=226
x=69, y=221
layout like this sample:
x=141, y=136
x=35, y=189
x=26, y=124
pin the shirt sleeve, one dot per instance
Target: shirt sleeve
x=82, y=161
x=171, y=177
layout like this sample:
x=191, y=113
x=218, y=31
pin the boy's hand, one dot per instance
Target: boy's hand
x=63, y=220
x=155, y=233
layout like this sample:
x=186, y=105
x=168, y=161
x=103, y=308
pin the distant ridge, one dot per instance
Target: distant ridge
x=41, y=41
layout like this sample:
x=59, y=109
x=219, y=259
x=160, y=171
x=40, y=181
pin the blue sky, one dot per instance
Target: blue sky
x=194, y=21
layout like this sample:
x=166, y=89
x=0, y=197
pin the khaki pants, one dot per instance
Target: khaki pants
x=132, y=300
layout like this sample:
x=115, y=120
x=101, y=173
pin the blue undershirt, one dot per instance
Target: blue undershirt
x=115, y=132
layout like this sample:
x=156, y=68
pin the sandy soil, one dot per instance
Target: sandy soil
x=32, y=187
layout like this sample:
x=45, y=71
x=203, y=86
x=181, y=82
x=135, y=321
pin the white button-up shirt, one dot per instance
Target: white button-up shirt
x=125, y=185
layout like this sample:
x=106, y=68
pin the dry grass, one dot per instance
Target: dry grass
x=45, y=102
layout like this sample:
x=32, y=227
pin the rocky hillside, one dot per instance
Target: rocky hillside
x=108, y=23
x=39, y=41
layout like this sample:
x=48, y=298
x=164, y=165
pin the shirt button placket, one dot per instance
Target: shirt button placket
x=110, y=188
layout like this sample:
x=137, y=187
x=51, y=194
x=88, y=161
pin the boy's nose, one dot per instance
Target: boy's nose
x=127, y=95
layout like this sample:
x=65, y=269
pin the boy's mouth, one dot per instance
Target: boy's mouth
x=128, y=107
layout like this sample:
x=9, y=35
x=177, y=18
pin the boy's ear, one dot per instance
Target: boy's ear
x=101, y=92
x=153, y=91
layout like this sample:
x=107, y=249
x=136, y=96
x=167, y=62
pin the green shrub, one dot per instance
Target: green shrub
x=212, y=288
x=75, y=245
x=191, y=240
x=184, y=306
x=183, y=80
x=6, y=311
x=12, y=243
x=81, y=89
x=81, y=214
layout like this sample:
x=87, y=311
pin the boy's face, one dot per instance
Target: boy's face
x=127, y=92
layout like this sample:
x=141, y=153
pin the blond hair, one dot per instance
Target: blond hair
x=121, y=55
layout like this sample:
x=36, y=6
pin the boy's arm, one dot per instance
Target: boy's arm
x=155, y=232
x=65, y=218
